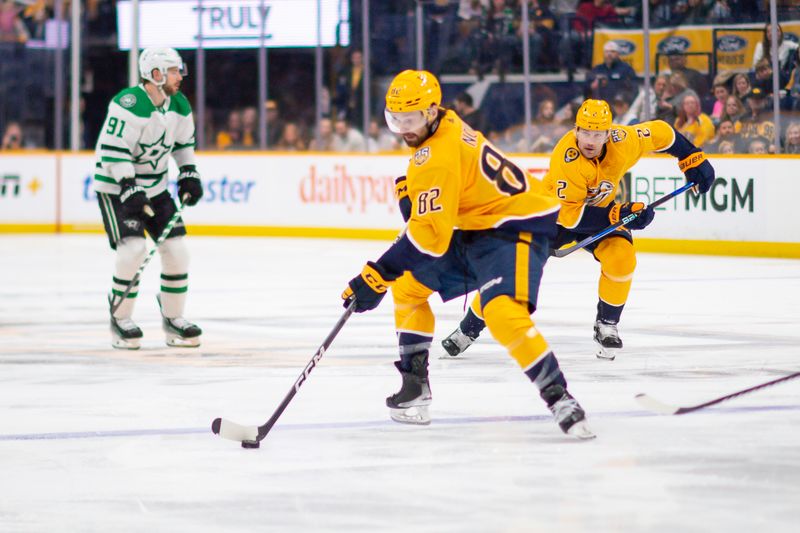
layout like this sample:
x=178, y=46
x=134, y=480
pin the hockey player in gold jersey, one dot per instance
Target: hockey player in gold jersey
x=585, y=170
x=505, y=220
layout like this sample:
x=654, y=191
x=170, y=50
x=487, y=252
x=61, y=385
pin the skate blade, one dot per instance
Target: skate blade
x=581, y=431
x=183, y=342
x=607, y=354
x=418, y=415
x=122, y=344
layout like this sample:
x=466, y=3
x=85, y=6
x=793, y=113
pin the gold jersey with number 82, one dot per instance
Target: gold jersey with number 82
x=458, y=180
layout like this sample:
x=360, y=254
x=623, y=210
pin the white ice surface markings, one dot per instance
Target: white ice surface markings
x=95, y=439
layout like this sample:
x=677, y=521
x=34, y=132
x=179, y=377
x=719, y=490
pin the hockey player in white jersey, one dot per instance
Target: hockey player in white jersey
x=146, y=124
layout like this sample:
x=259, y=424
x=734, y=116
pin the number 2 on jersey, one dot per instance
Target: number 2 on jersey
x=113, y=122
x=505, y=175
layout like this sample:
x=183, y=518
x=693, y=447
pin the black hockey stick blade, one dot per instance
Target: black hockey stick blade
x=651, y=404
x=251, y=436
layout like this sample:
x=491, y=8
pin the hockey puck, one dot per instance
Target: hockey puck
x=251, y=444
x=215, y=425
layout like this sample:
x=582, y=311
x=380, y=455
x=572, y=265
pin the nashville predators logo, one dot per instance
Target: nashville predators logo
x=595, y=195
x=422, y=155
x=571, y=155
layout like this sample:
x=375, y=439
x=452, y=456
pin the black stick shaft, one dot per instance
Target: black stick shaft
x=263, y=430
x=597, y=236
x=684, y=410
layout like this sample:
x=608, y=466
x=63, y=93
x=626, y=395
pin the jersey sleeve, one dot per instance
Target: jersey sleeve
x=115, y=145
x=565, y=182
x=434, y=196
x=654, y=135
x=183, y=151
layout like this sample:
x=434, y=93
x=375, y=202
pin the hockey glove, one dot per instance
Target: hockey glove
x=368, y=288
x=190, y=189
x=620, y=211
x=135, y=203
x=698, y=171
x=401, y=194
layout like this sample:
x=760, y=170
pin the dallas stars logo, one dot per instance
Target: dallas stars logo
x=152, y=153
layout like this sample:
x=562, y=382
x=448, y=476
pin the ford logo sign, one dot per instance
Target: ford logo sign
x=625, y=47
x=674, y=44
x=730, y=43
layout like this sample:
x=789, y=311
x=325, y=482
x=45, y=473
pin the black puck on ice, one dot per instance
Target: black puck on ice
x=251, y=444
x=215, y=425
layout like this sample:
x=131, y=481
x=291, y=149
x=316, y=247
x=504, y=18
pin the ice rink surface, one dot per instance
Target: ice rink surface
x=98, y=440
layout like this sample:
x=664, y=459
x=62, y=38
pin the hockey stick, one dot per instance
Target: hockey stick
x=251, y=436
x=652, y=404
x=597, y=236
x=113, y=303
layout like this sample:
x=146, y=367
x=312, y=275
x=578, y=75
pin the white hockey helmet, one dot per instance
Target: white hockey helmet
x=159, y=59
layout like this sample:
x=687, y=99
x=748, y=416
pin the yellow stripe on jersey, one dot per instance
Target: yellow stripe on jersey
x=457, y=179
x=578, y=182
x=521, y=267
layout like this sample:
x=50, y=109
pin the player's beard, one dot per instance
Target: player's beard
x=170, y=90
x=414, y=140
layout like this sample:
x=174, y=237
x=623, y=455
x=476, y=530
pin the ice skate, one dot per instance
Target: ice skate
x=125, y=334
x=568, y=413
x=180, y=332
x=410, y=404
x=607, y=339
x=456, y=343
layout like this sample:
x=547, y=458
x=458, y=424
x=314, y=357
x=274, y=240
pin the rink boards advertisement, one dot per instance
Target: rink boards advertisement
x=748, y=211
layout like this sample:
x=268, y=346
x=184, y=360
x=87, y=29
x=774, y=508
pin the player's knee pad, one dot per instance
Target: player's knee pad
x=510, y=323
x=617, y=259
x=412, y=312
x=130, y=255
x=174, y=256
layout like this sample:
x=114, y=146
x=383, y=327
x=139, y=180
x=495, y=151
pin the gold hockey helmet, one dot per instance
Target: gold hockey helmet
x=413, y=90
x=594, y=115
x=409, y=100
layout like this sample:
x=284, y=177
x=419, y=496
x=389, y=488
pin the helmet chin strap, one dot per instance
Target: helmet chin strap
x=159, y=85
